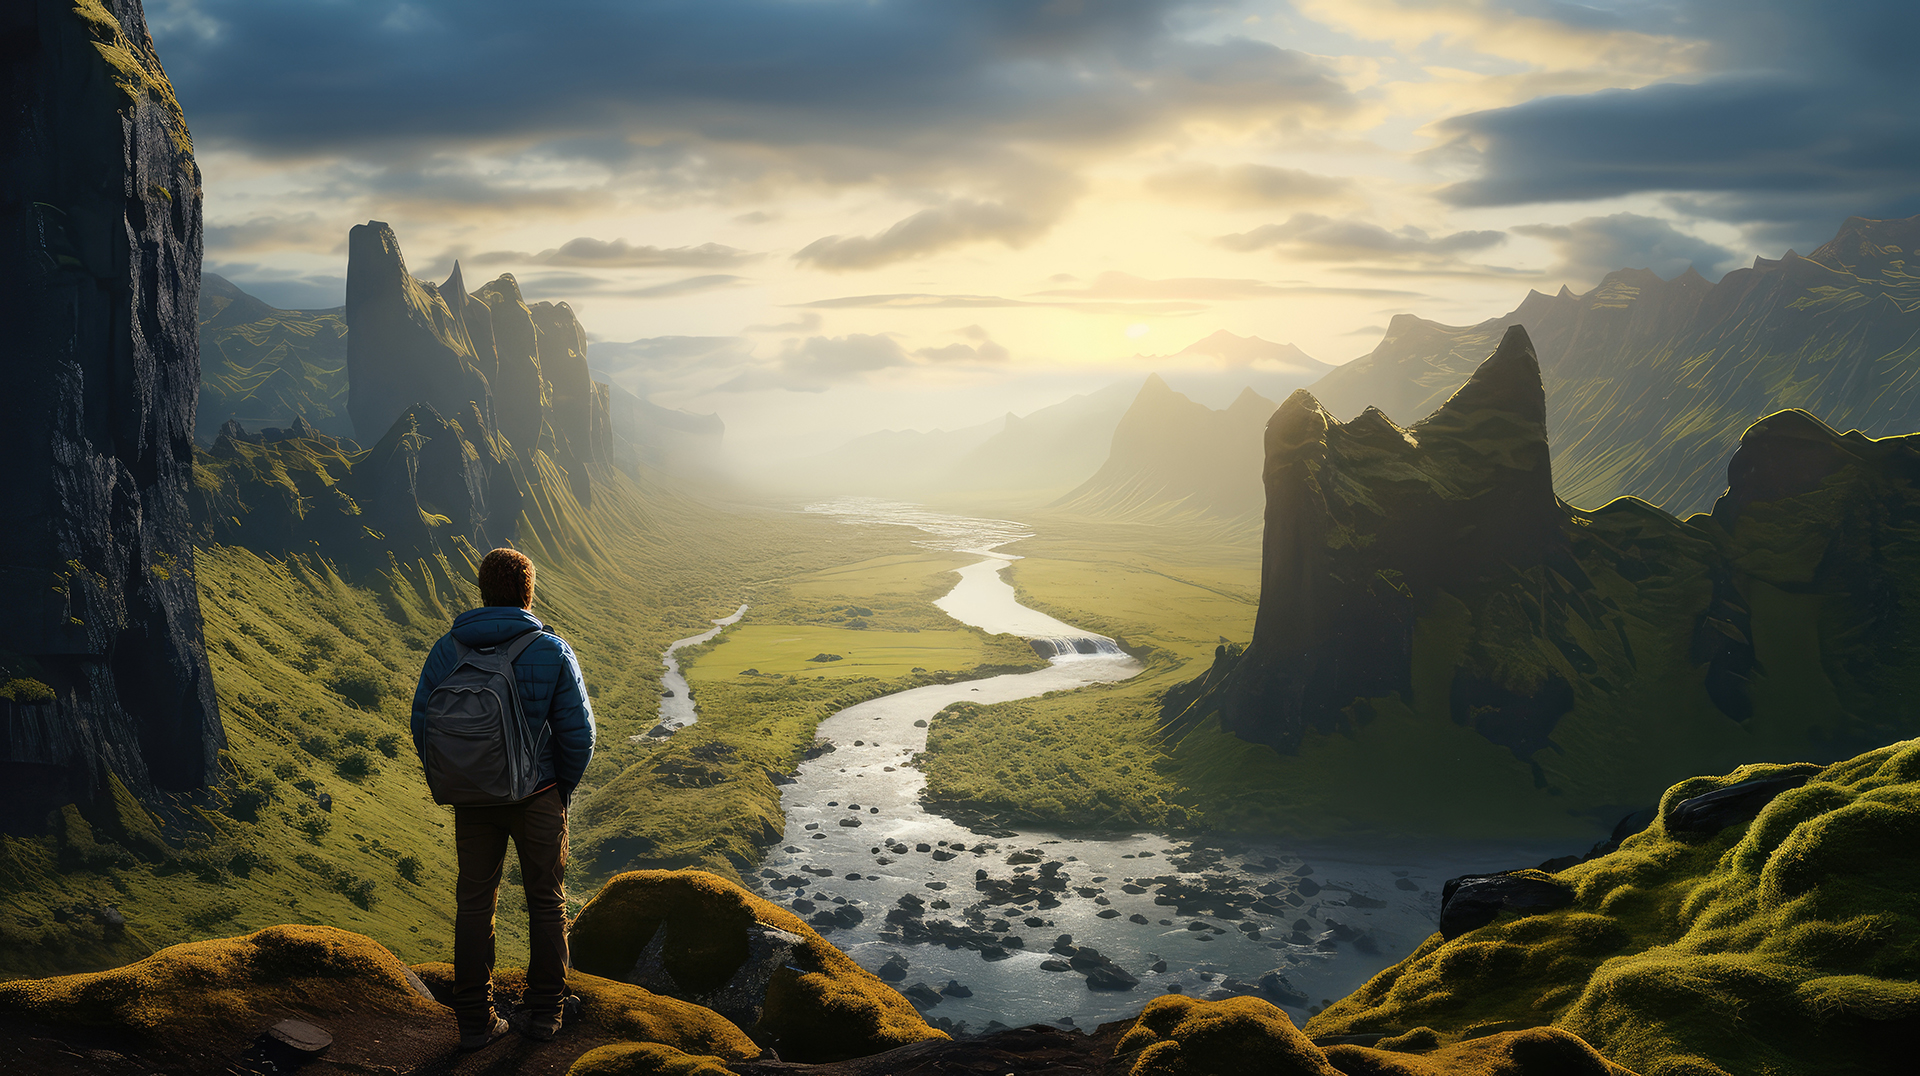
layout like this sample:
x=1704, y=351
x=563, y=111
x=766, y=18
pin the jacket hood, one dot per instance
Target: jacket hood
x=492, y=624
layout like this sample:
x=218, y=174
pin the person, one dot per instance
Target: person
x=551, y=692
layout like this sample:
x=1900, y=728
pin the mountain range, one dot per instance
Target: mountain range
x=1650, y=382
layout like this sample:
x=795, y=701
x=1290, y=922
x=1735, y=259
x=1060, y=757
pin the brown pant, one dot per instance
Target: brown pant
x=538, y=826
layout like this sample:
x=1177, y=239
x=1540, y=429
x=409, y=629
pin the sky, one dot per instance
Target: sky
x=822, y=217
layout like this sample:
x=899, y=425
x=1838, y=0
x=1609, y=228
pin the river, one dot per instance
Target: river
x=880, y=876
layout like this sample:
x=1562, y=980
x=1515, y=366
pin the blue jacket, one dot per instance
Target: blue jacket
x=548, y=674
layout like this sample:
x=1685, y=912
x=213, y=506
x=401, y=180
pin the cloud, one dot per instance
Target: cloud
x=593, y=105
x=1796, y=119
x=984, y=349
x=1590, y=248
x=689, y=286
x=926, y=301
x=283, y=288
x=1116, y=285
x=619, y=254
x=817, y=363
x=1315, y=237
x=1248, y=185
x=805, y=323
x=275, y=233
x=931, y=230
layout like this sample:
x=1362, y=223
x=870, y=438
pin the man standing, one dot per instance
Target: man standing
x=553, y=705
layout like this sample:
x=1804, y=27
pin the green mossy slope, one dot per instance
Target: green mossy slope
x=1787, y=945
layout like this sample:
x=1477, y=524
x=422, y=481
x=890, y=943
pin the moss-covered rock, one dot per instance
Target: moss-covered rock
x=229, y=988
x=1789, y=944
x=1178, y=1036
x=646, y=1059
x=617, y=1010
x=832, y=1010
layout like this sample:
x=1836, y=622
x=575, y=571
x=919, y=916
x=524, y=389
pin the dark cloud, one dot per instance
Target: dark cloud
x=995, y=102
x=1800, y=119
x=342, y=76
x=1590, y=248
x=1312, y=236
x=1248, y=185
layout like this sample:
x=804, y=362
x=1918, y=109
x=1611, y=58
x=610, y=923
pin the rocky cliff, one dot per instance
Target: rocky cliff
x=100, y=236
x=1425, y=595
x=1650, y=382
x=405, y=343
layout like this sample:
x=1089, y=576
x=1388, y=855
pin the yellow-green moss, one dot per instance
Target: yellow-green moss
x=186, y=990
x=1788, y=945
x=620, y=1010
x=646, y=1059
x=1178, y=1036
x=839, y=1011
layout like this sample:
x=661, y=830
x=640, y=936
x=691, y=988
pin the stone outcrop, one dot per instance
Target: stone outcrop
x=1367, y=522
x=1425, y=596
x=405, y=344
x=521, y=398
x=100, y=236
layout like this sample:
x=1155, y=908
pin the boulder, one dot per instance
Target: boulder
x=818, y=1005
x=1714, y=811
x=1472, y=901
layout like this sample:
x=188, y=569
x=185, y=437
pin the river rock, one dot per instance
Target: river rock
x=100, y=239
x=1474, y=900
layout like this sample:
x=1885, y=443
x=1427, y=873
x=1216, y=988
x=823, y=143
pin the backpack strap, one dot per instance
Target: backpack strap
x=520, y=642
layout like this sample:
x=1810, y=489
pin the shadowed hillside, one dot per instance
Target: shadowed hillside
x=1173, y=457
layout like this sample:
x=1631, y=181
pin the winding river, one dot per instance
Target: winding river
x=881, y=876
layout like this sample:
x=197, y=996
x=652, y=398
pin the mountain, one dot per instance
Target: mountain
x=1650, y=382
x=1171, y=456
x=660, y=437
x=104, y=680
x=261, y=366
x=1217, y=367
x=1424, y=594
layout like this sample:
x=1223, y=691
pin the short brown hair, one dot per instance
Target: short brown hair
x=506, y=578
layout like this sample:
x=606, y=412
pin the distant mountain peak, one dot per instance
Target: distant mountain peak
x=1249, y=350
x=1509, y=381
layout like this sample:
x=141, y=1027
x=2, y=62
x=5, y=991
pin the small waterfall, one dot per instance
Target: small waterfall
x=1062, y=647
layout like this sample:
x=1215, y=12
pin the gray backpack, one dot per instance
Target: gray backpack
x=477, y=747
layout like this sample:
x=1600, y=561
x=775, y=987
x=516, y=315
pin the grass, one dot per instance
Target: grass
x=1785, y=945
x=315, y=671
x=706, y=796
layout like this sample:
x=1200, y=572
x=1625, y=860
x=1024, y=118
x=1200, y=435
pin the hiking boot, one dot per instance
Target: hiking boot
x=474, y=1040
x=540, y=1027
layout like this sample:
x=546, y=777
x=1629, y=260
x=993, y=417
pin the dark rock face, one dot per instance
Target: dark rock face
x=432, y=479
x=405, y=344
x=100, y=235
x=1474, y=900
x=1366, y=522
x=521, y=398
